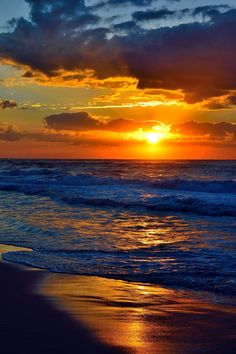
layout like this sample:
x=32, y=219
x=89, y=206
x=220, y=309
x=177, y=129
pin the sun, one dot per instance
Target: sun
x=156, y=135
x=153, y=137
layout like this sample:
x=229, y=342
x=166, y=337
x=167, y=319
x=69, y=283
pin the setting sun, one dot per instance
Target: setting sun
x=153, y=137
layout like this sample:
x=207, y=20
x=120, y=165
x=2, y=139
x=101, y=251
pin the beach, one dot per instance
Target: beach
x=61, y=313
x=30, y=323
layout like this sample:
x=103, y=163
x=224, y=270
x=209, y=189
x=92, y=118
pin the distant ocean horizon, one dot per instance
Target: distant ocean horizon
x=167, y=222
x=111, y=159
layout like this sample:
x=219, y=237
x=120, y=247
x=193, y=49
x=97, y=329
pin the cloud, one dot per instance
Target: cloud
x=213, y=131
x=152, y=14
x=132, y=2
x=9, y=133
x=227, y=101
x=82, y=121
x=122, y=3
x=117, y=3
x=4, y=104
x=126, y=26
x=208, y=10
x=189, y=57
x=198, y=58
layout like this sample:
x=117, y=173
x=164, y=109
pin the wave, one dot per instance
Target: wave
x=57, y=176
x=134, y=189
x=207, y=186
x=163, y=204
x=179, y=269
x=196, y=203
x=180, y=184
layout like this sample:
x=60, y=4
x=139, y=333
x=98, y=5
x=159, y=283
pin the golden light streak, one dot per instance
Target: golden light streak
x=131, y=105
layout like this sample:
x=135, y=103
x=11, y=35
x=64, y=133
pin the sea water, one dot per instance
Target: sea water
x=171, y=223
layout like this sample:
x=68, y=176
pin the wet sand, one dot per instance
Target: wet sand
x=46, y=313
x=146, y=319
x=31, y=324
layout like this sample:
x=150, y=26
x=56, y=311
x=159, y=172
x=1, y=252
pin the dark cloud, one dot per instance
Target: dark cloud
x=40, y=8
x=216, y=103
x=232, y=99
x=209, y=11
x=62, y=15
x=152, y=14
x=122, y=3
x=116, y=3
x=126, y=26
x=28, y=74
x=132, y=2
x=220, y=130
x=82, y=121
x=9, y=133
x=198, y=58
x=4, y=104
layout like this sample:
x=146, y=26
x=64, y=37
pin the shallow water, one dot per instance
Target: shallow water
x=170, y=223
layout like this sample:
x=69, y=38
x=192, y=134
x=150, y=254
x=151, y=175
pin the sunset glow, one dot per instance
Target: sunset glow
x=159, y=133
x=100, y=82
x=154, y=136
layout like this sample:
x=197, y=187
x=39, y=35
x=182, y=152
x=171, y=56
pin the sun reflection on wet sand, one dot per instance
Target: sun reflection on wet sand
x=144, y=318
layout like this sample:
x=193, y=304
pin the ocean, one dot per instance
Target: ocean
x=171, y=223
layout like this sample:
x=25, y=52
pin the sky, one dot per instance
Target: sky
x=151, y=79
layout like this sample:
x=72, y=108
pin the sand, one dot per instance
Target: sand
x=31, y=324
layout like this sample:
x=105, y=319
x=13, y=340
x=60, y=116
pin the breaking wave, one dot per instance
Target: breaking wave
x=212, y=198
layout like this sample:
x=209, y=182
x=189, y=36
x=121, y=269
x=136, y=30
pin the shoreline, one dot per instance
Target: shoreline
x=140, y=318
x=203, y=292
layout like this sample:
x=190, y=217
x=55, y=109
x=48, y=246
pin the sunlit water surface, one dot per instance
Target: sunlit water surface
x=166, y=223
